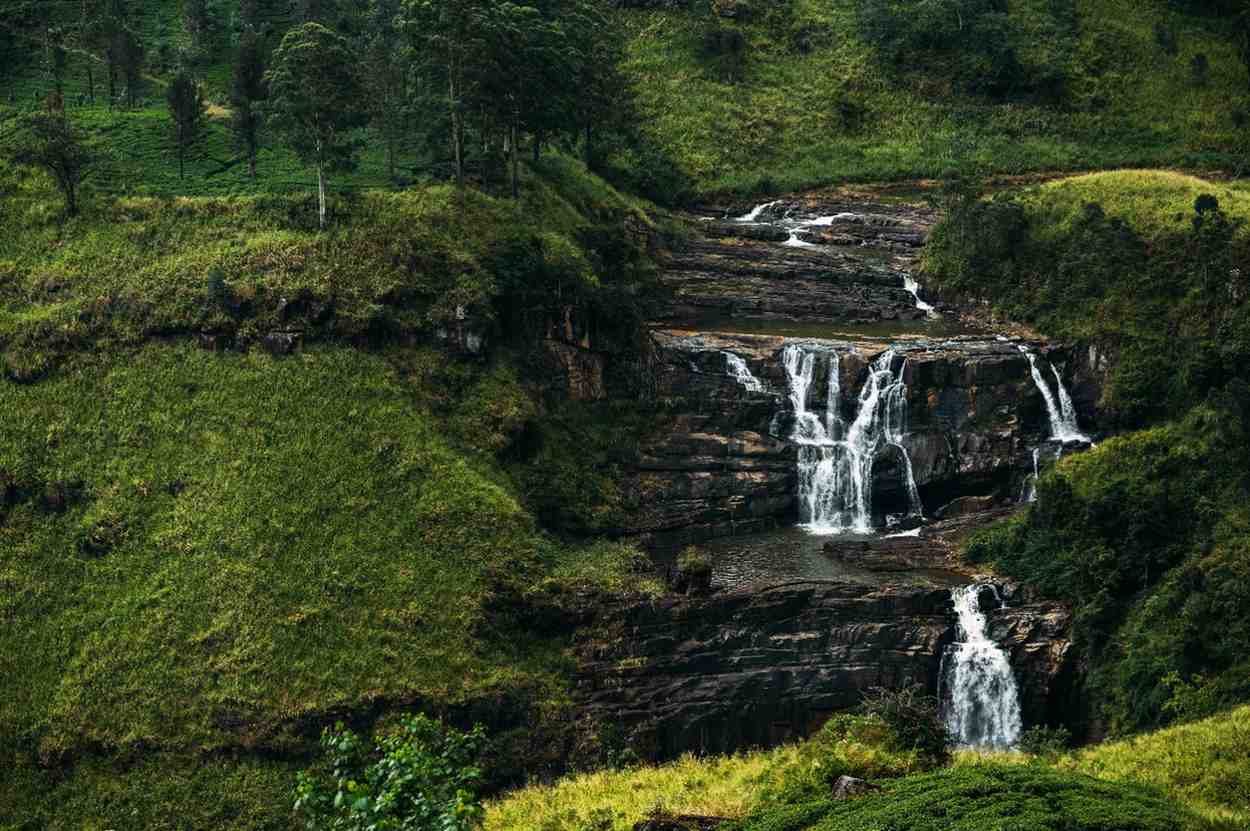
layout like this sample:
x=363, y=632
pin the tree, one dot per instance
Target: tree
x=315, y=101
x=56, y=58
x=109, y=24
x=385, y=69
x=52, y=143
x=249, y=14
x=126, y=55
x=422, y=776
x=247, y=92
x=186, y=109
x=195, y=19
x=452, y=32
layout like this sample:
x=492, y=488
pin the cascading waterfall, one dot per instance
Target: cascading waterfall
x=740, y=372
x=913, y=287
x=754, y=214
x=836, y=459
x=980, y=697
x=1029, y=492
x=1063, y=426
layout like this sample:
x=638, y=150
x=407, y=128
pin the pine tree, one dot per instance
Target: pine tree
x=126, y=56
x=186, y=109
x=315, y=101
x=247, y=91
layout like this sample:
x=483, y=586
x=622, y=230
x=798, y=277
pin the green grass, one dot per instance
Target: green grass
x=778, y=129
x=252, y=547
x=1205, y=764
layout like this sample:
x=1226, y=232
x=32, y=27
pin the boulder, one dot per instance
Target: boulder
x=848, y=787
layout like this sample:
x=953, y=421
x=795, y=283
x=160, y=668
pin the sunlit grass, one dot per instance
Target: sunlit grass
x=723, y=786
x=1205, y=764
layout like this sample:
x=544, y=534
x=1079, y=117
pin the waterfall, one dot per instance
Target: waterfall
x=1029, y=492
x=1063, y=426
x=740, y=372
x=980, y=696
x=755, y=212
x=913, y=286
x=835, y=459
x=795, y=242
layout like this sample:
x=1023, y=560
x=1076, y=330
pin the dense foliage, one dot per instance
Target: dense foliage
x=1146, y=534
x=421, y=776
x=974, y=798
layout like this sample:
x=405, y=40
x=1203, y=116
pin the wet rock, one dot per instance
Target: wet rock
x=282, y=343
x=754, y=668
x=965, y=506
x=848, y=787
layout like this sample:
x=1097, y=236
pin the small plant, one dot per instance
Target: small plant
x=1047, y=742
x=694, y=571
x=422, y=776
x=215, y=290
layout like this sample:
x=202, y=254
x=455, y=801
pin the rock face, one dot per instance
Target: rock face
x=849, y=267
x=761, y=666
x=724, y=463
x=755, y=668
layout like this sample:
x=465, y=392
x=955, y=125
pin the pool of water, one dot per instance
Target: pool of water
x=794, y=554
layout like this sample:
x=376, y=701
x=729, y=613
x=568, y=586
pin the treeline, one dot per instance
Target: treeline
x=469, y=85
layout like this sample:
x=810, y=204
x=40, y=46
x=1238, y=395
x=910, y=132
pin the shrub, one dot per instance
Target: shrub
x=914, y=721
x=422, y=776
x=1049, y=742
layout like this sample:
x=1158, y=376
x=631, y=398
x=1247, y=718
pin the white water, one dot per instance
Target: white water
x=1029, y=493
x=835, y=459
x=795, y=242
x=980, y=696
x=1063, y=425
x=913, y=286
x=755, y=212
x=740, y=372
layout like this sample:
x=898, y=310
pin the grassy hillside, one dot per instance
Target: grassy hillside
x=1200, y=766
x=781, y=96
x=1205, y=764
x=209, y=554
x=815, y=102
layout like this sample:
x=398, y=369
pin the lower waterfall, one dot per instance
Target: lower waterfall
x=836, y=458
x=979, y=694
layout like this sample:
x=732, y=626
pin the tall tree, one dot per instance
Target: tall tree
x=110, y=33
x=453, y=32
x=315, y=101
x=249, y=14
x=52, y=143
x=247, y=92
x=55, y=58
x=386, y=68
x=127, y=55
x=186, y=111
x=197, y=22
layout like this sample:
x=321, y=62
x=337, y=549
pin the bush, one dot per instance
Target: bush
x=914, y=721
x=422, y=776
x=1048, y=742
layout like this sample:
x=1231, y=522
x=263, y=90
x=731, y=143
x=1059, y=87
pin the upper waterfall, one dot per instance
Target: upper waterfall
x=1063, y=424
x=980, y=697
x=836, y=458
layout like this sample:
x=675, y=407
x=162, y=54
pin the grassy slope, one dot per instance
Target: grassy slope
x=254, y=547
x=1129, y=104
x=1202, y=766
x=1206, y=764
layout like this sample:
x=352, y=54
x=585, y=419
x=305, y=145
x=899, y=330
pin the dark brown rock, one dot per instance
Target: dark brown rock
x=282, y=343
